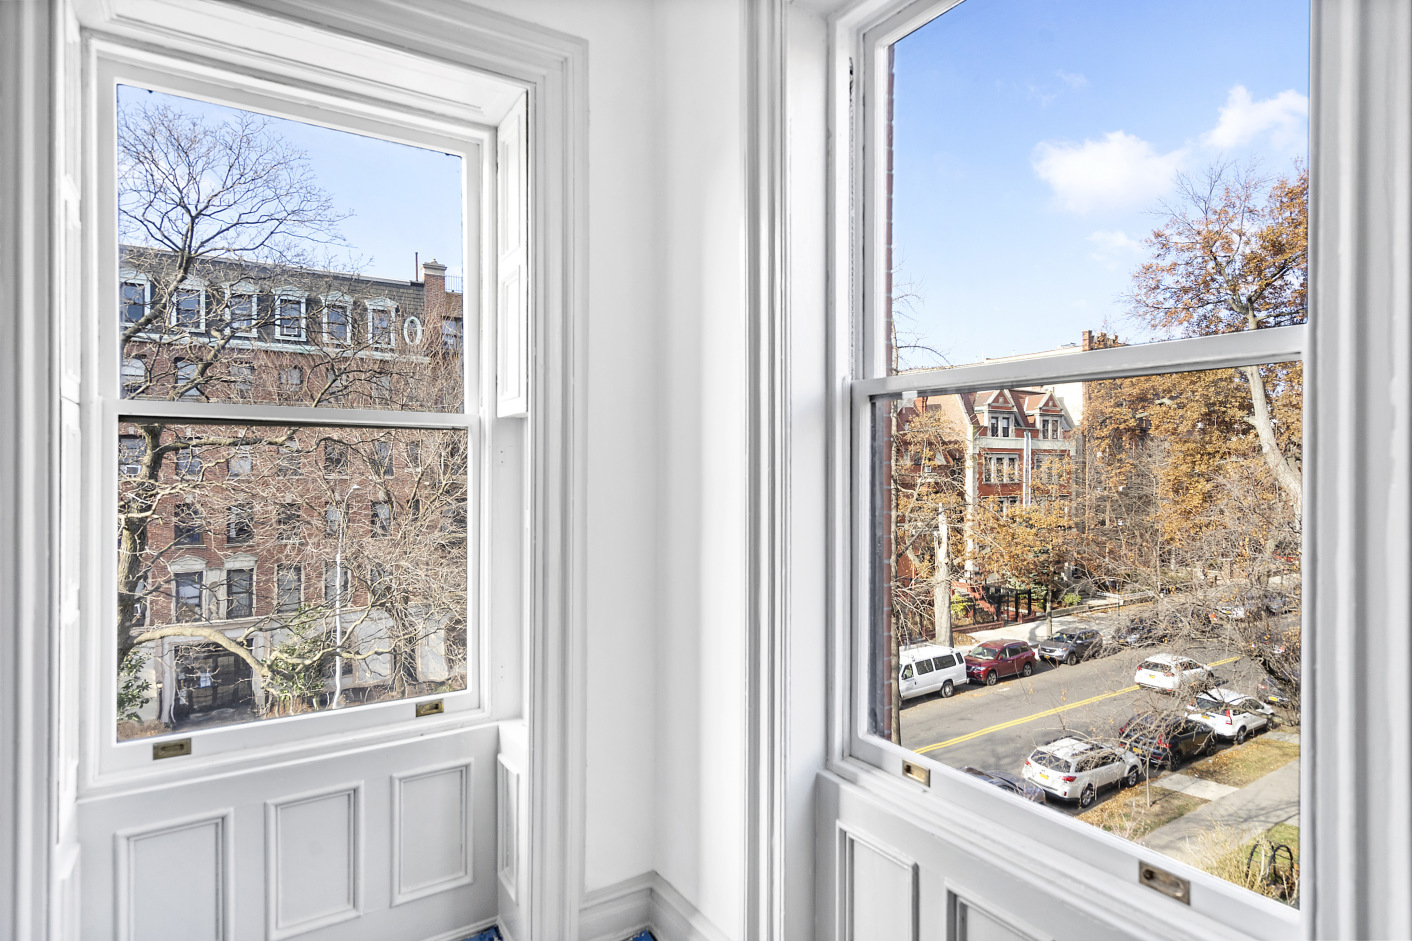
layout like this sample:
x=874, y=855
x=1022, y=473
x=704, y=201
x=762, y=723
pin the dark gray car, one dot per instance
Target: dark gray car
x=1071, y=646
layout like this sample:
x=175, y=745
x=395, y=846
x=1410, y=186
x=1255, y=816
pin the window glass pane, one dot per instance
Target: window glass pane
x=1171, y=525
x=1066, y=170
x=287, y=283
x=262, y=589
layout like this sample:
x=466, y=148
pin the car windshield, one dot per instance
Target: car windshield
x=1051, y=761
x=1155, y=665
x=1206, y=701
x=983, y=653
x=1066, y=638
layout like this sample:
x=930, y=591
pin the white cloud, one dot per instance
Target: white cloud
x=1072, y=79
x=1284, y=117
x=1120, y=171
x=1113, y=248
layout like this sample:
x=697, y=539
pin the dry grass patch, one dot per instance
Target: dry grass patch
x=1129, y=816
x=1221, y=853
x=1242, y=764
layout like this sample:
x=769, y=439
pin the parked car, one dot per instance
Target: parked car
x=1280, y=689
x=988, y=662
x=1230, y=714
x=1170, y=672
x=1006, y=781
x=1075, y=769
x=1164, y=738
x=1250, y=604
x=930, y=668
x=1143, y=631
x=1071, y=646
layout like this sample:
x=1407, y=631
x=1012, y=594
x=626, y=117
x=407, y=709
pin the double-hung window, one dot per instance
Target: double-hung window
x=1154, y=259
x=265, y=421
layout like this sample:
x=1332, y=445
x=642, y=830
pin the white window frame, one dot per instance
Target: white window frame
x=133, y=276
x=866, y=759
x=115, y=64
x=382, y=305
x=239, y=562
x=282, y=295
x=251, y=292
x=342, y=302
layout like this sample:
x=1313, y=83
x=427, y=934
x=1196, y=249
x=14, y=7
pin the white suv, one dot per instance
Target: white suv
x=1230, y=714
x=1074, y=769
x=930, y=668
x=1169, y=672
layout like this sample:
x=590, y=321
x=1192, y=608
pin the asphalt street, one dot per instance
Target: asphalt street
x=996, y=727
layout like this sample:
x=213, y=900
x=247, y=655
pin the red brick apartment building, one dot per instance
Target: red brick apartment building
x=267, y=566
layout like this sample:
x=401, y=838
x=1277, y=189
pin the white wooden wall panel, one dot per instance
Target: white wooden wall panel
x=191, y=857
x=313, y=876
x=880, y=893
x=432, y=834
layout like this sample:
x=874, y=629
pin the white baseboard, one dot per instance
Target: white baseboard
x=462, y=933
x=618, y=911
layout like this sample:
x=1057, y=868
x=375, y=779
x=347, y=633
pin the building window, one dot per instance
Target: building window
x=186, y=596
x=132, y=302
x=335, y=459
x=382, y=458
x=188, y=462
x=289, y=587
x=240, y=524
x=242, y=380
x=240, y=593
x=291, y=459
x=289, y=318
x=382, y=518
x=451, y=334
x=336, y=319
x=240, y=462
x=332, y=596
x=240, y=313
x=291, y=379
x=186, y=525
x=332, y=519
x=131, y=450
x=134, y=376
x=380, y=326
x=289, y=520
x=189, y=311
x=414, y=455
x=185, y=379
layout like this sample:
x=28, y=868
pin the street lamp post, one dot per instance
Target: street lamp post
x=338, y=601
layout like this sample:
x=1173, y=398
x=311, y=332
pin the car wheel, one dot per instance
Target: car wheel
x=1131, y=779
x=1027, y=669
x=1072, y=659
x=1240, y=735
x=1272, y=723
x=991, y=678
x=1086, y=796
x=948, y=689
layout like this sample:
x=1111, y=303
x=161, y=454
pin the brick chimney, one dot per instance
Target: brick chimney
x=434, y=276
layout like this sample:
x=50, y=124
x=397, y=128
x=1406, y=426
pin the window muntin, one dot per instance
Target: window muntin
x=264, y=338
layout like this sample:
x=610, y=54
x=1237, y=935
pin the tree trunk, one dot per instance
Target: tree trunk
x=1285, y=474
x=941, y=584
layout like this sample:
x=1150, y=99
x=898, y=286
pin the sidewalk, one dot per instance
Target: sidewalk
x=1243, y=814
x=1037, y=630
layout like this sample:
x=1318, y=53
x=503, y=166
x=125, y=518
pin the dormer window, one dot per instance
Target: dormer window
x=1000, y=426
x=289, y=318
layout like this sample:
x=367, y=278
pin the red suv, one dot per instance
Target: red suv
x=993, y=659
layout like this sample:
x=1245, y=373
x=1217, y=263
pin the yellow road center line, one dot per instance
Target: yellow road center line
x=1040, y=715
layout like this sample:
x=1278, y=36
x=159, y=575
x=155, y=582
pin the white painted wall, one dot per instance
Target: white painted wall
x=666, y=443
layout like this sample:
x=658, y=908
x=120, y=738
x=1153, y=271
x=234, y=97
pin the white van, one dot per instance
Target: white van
x=927, y=668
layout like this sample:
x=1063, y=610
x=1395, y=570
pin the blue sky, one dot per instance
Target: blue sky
x=1033, y=138
x=404, y=199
